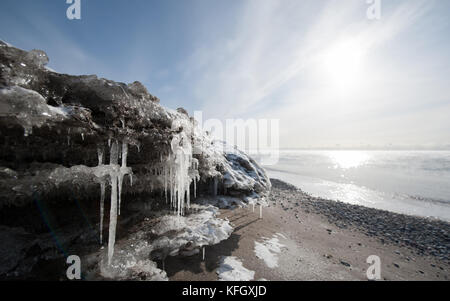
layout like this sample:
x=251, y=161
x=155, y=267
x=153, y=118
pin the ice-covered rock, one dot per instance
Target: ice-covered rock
x=179, y=234
x=91, y=140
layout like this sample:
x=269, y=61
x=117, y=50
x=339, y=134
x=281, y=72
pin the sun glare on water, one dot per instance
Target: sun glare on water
x=348, y=159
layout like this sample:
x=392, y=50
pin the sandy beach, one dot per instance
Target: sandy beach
x=322, y=240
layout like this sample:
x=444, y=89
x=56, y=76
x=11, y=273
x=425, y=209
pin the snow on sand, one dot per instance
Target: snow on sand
x=231, y=269
x=268, y=250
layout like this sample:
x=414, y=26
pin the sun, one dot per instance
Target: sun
x=342, y=64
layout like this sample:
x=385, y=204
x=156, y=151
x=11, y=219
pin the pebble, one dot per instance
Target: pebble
x=345, y=263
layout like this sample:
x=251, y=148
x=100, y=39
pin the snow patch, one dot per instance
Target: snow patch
x=231, y=269
x=268, y=251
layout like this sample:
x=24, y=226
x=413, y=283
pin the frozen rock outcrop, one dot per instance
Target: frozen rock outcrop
x=98, y=146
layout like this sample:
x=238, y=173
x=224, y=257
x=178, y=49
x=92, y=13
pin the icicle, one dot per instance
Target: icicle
x=112, y=219
x=102, y=209
x=123, y=170
x=171, y=183
x=100, y=155
x=188, y=196
x=260, y=211
x=120, y=179
x=114, y=153
x=203, y=253
x=165, y=183
x=195, y=187
x=82, y=136
x=109, y=142
x=113, y=212
x=102, y=193
x=27, y=130
x=253, y=207
x=215, y=186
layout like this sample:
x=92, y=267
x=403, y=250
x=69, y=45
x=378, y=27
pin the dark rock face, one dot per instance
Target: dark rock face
x=54, y=130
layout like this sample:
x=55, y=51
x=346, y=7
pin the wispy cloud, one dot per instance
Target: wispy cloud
x=287, y=59
x=270, y=67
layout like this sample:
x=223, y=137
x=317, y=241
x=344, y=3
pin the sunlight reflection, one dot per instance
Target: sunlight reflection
x=348, y=159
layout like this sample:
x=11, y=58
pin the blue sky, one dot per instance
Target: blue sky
x=327, y=72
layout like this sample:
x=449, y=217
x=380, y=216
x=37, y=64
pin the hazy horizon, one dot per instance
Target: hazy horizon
x=371, y=148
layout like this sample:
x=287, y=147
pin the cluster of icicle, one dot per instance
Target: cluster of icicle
x=116, y=175
x=179, y=170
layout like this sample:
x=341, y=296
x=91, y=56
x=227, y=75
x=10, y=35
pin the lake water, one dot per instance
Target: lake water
x=409, y=182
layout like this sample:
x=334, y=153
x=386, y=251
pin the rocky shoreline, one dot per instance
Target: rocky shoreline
x=426, y=237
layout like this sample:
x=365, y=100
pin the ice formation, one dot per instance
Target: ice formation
x=67, y=119
x=179, y=170
x=131, y=261
x=182, y=234
x=112, y=173
x=116, y=174
x=239, y=172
